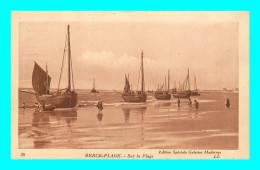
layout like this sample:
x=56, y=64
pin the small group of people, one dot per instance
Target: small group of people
x=196, y=104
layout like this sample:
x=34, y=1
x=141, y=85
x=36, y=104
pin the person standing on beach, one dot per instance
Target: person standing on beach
x=228, y=103
x=190, y=103
x=178, y=102
x=196, y=104
x=23, y=106
x=100, y=108
x=100, y=105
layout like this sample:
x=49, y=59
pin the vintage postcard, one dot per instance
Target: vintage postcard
x=130, y=85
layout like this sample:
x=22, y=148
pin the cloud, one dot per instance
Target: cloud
x=109, y=60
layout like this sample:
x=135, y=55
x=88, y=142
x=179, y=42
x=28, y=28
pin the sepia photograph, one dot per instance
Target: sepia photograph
x=130, y=85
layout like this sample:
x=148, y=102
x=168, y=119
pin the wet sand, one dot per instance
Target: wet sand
x=152, y=125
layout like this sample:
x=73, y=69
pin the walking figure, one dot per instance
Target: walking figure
x=196, y=104
x=228, y=103
x=179, y=102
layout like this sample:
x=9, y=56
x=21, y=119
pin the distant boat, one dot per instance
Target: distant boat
x=161, y=94
x=195, y=91
x=184, y=89
x=149, y=91
x=131, y=96
x=174, y=90
x=93, y=90
x=41, y=85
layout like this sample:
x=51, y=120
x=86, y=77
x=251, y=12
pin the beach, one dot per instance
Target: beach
x=151, y=125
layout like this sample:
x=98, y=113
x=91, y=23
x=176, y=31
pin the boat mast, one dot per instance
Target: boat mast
x=94, y=84
x=142, y=67
x=165, y=83
x=69, y=55
x=168, y=80
x=189, y=79
x=46, y=79
x=195, y=83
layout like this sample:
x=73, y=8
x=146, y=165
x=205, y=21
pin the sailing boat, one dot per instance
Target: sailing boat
x=93, y=90
x=63, y=98
x=183, y=91
x=131, y=96
x=195, y=91
x=164, y=95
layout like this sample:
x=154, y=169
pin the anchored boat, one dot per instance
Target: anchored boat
x=63, y=98
x=184, y=89
x=161, y=94
x=93, y=90
x=138, y=96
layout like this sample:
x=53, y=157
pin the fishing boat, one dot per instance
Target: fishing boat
x=184, y=89
x=93, y=90
x=195, y=91
x=63, y=98
x=129, y=95
x=161, y=94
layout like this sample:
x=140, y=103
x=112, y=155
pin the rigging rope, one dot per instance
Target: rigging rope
x=138, y=78
x=63, y=58
x=72, y=74
x=150, y=74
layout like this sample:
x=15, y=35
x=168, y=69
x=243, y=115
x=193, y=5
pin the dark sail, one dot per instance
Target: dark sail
x=127, y=85
x=131, y=96
x=39, y=80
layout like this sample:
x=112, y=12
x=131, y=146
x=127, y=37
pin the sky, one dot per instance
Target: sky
x=107, y=51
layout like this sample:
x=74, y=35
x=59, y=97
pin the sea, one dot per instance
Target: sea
x=155, y=124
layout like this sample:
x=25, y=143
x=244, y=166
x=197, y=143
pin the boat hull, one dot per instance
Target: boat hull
x=134, y=98
x=182, y=95
x=94, y=91
x=64, y=100
x=161, y=96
